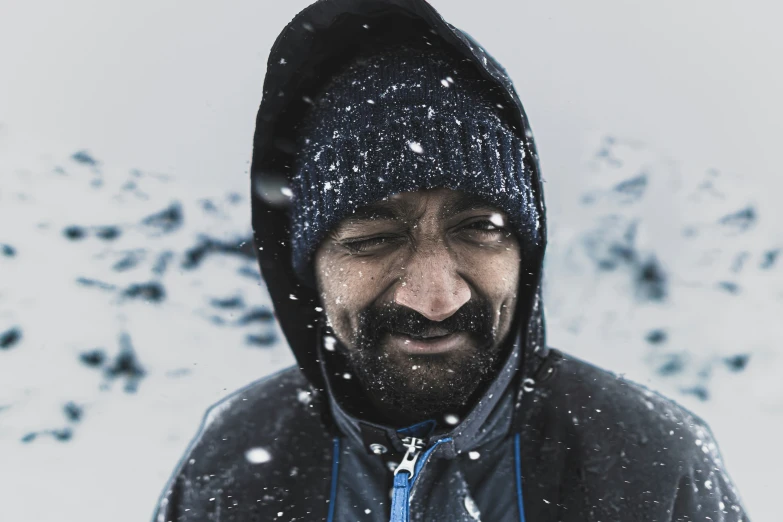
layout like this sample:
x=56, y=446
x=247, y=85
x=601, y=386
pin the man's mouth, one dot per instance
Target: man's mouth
x=429, y=343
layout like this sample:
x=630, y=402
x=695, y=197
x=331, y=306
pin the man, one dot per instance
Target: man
x=400, y=227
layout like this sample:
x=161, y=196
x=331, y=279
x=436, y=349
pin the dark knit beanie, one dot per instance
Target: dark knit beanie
x=403, y=120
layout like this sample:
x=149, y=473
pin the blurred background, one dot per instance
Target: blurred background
x=130, y=300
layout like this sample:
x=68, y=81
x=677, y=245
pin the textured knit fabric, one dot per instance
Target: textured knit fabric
x=402, y=120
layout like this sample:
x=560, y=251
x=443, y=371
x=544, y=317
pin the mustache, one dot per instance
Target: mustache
x=474, y=317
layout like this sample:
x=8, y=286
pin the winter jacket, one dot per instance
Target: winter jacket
x=552, y=438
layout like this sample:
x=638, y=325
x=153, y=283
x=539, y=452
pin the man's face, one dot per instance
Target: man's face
x=421, y=289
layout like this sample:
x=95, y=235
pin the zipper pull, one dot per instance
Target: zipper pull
x=408, y=463
x=401, y=493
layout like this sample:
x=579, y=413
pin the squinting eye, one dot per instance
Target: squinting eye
x=484, y=225
x=363, y=245
x=483, y=231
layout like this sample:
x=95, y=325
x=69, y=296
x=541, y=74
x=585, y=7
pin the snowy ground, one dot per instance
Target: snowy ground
x=129, y=302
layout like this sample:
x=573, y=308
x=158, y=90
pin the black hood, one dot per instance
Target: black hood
x=316, y=43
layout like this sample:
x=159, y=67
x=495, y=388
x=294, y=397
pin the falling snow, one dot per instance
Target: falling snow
x=257, y=455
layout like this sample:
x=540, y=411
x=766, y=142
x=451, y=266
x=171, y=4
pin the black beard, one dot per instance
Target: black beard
x=409, y=388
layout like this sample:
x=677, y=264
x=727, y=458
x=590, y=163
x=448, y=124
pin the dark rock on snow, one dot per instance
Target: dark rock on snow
x=264, y=340
x=741, y=220
x=86, y=281
x=93, y=358
x=657, y=336
x=162, y=263
x=167, y=220
x=129, y=260
x=152, y=291
x=651, y=281
x=729, y=286
x=737, y=363
x=10, y=338
x=228, y=302
x=126, y=365
x=74, y=232
x=673, y=366
x=208, y=246
x=770, y=257
x=257, y=315
x=84, y=158
x=73, y=412
x=108, y=233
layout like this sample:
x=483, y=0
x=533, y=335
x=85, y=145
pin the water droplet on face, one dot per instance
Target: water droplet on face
x=497, y=220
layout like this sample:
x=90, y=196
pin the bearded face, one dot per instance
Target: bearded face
x=420, y=289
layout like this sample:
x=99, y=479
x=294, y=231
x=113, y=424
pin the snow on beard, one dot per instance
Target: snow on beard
x=423, y=386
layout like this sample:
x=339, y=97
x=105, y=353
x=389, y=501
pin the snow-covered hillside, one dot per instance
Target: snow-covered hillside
x=130, y=301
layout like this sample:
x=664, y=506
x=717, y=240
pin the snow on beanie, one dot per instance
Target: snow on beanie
x=403, y=120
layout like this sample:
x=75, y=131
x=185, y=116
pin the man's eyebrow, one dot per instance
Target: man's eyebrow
x=392, y=209
x=466, y=202
x=383, y=210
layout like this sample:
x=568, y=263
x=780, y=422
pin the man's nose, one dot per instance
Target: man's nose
x=431, y=285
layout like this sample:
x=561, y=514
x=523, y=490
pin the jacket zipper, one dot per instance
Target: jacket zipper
x=408, y=463
x=405, y=476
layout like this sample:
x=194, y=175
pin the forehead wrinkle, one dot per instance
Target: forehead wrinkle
x=400, y=209
x=461, y=202
x=385, y=210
